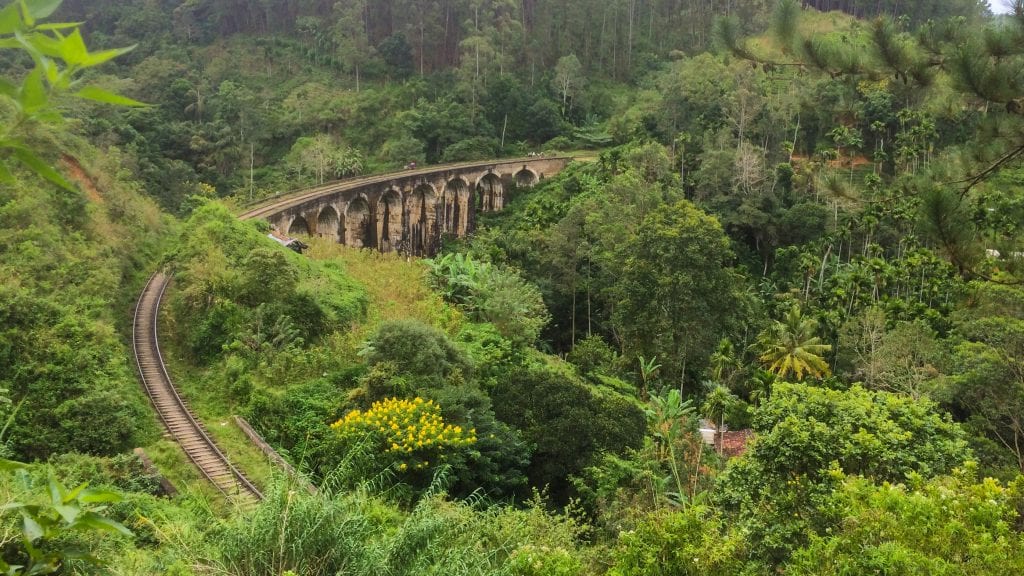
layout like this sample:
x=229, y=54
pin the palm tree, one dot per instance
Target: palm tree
x=671, y=417
x=791, y=347
x=717, y=404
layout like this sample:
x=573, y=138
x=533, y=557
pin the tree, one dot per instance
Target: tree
x=987, y=365
x=676, y=293
x=569, y=79
x=397, y=54
x=404, y=435
x=568, y=421
x=324, y=158
x=718, y=402
x=492, y=294
x=877, y=536
x=59, y=57
x=673, y=421
x=808, y=438
x=902, y=359
x=353, y=45
x=791, y=348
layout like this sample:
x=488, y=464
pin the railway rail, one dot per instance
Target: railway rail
x=179, y=421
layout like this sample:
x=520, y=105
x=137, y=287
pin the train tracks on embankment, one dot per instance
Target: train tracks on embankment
x=179, y=421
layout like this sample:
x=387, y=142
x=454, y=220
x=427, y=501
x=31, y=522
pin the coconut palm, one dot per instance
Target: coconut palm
x=790, y=347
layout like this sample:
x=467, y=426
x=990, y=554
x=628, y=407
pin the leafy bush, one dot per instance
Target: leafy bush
x=529, y=560
x=417, y=350
x=68, y=271
x=558, y=144
x=592, y=354
x=475, y=148
x=297, y=421
x=237, y=288
x=808, y=437
x=491, y=353
x=56, y=527
x=879, y=435
x=124, y=472
x=692, y=542
x=951, y=525
x=495, y=465
x=567, y=420
x=491, y=294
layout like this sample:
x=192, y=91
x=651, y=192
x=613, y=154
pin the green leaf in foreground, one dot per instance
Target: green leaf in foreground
x=41, y=8
x=107, y=97
x=44, y=170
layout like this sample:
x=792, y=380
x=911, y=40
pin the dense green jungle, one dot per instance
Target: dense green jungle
x=770, y=320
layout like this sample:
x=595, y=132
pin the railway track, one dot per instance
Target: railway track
x=186, y=430
x=176, y=416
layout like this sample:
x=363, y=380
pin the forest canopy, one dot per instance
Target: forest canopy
x=770, y=319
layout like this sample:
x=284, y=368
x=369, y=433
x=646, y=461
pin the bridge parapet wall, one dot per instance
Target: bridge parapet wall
x=407, y=211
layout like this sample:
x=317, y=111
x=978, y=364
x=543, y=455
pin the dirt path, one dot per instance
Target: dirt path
x=78, y=175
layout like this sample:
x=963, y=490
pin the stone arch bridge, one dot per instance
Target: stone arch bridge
x=406, y=211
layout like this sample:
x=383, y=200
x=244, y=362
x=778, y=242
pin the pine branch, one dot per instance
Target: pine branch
x=980, y=177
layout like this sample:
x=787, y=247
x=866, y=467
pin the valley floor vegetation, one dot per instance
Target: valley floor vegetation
x=803, y=224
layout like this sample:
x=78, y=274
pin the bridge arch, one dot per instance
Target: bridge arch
x=357, y=222
x=389, y=225
x=490, y=193
x=423, y=212
x=456, y=205
x=525, y=177
x=328, y=223
x=298, y=226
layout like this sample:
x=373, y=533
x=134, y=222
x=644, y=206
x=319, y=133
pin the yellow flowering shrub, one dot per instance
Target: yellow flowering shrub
x=410, y=432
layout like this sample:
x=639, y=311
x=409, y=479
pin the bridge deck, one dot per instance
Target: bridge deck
x=294, y=198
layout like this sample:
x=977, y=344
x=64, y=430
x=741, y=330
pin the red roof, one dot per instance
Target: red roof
x=733, y=443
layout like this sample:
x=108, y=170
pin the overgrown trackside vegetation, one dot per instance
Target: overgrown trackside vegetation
x=801, y=228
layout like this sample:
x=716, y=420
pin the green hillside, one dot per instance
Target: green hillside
x=769, y=321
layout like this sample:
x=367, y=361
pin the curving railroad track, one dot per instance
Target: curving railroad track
x=177, y=418
x=179, y=421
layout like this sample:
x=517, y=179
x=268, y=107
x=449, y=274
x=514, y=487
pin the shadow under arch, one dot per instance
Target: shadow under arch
x=328, y=223
x=357, y=223
x=423, y=217
x=389, y=226
x=489, y=193
x=298, y=226
x=456, y=206
x=525, y=178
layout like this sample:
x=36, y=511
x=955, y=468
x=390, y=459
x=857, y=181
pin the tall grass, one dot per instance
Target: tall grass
x=312, y=535
x=396, y=285
x=359, y=534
